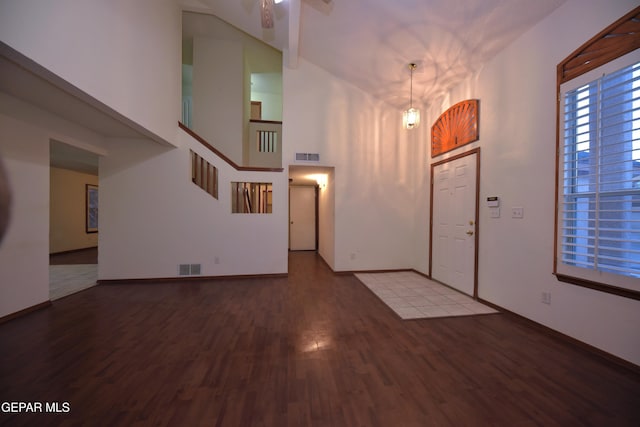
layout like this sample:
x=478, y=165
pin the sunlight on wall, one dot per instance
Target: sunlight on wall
x=363, y=138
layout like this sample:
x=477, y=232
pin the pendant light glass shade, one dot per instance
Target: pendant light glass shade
x=411, y=117
x=266, y=14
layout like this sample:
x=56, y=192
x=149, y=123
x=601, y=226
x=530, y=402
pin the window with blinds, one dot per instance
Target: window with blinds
x=599, y=205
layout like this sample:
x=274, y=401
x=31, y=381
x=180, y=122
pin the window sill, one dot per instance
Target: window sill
x=626, y=293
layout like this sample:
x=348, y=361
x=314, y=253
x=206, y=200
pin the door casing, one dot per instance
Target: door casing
x=308, y=229
x=475, y=151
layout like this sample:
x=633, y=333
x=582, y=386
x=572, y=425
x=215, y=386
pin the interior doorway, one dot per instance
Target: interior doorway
x=303, y=217
x=311, y=190
x=454, y=222
x=256, y=110
x=73, y=219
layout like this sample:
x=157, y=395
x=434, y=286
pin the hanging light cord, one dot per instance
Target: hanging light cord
x=412, y=67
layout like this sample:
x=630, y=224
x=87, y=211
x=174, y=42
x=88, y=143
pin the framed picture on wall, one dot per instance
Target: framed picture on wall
x=92, y=208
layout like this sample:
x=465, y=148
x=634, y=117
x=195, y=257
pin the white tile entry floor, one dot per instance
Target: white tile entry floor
x=68, y=279
x=413, y=296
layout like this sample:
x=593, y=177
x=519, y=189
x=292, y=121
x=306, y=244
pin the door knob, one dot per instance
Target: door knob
x=470, y=233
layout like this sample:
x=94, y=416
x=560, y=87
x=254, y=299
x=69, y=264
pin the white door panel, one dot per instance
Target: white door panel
x=302, y=218
x=454, y=208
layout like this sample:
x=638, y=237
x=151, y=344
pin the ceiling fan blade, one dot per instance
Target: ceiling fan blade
x=266, y=13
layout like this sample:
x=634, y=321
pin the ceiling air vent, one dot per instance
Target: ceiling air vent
x=307, y=157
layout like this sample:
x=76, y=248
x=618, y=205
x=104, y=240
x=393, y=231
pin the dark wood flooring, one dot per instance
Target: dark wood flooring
x=80, y=256
x=311, y=349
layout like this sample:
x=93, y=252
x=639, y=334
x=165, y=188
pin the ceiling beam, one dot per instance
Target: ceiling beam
x=294, y=33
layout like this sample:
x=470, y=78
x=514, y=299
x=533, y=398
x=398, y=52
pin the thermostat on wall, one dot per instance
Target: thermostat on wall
x=493, y=202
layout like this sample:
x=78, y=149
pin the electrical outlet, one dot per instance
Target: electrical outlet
x=352, y=256
x=546, y=298
x=517, y=212
x=216, y=260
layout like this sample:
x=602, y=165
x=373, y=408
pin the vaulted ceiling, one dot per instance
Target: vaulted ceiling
x=370, y=43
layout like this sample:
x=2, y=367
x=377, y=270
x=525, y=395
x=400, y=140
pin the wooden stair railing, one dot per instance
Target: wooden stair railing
x=204, y=174
x=206, y=144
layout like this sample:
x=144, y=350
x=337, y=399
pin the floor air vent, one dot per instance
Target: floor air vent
x=189, y=269
x=307, y=157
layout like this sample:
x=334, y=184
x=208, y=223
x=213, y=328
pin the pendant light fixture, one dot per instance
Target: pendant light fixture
x=266, y=13
x=411, y=117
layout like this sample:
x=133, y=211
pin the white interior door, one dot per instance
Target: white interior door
x=302, y=218
x=454, y=229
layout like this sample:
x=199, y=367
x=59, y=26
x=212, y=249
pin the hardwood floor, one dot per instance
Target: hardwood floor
x=311, y=349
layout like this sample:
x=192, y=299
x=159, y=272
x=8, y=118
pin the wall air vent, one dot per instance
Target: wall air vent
x=195, y=269
x=307, y=157
x=184, y=269
x=189, y=269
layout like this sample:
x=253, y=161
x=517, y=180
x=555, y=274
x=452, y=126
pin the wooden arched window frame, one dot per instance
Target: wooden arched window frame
x=615, y=41
x=457, y=126
x=618, y=39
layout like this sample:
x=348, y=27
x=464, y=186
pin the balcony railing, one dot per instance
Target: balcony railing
x=265, y=148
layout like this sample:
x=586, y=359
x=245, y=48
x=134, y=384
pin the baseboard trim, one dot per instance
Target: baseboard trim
x=188, y=279
x=422, y=274
x=586, y=348
x=347, y=272
x=24, y=312
x=392, y=270
x=73, y=251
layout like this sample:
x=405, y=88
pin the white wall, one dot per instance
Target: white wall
x=517, y=93
x=218, y=80
x=326, y=220
x=67, y=224
x=149, y=207
x=24, y=254
x=152, y=217
x=124, y=53
x=228, y=80
x=271, y=105
x=25, y=134
x=364, y=141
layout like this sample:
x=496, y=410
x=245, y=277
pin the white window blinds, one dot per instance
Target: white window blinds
x=599, y=221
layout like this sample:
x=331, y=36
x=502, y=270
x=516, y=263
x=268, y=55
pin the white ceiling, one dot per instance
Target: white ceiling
x=68, y=157
x=371, y=42
x=366, y=42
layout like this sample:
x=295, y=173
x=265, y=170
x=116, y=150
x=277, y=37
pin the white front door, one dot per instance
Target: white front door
x=454, y=229
x=302, y=218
